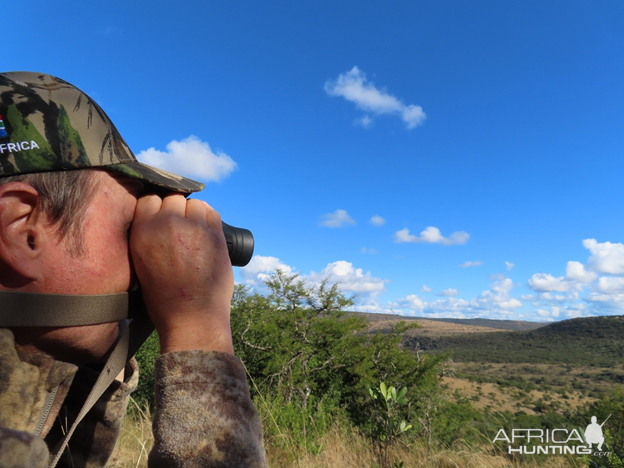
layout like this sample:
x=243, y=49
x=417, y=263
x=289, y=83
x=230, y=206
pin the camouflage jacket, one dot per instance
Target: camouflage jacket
x=204, y=415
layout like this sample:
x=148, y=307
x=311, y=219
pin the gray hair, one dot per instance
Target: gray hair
x=64, y=197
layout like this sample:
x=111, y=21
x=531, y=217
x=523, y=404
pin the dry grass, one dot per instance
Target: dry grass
x=345, y=448
x=135, y=440
x=342, y=447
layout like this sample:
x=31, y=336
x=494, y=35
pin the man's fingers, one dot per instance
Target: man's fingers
x=174, y=204
x=147, y=206
x=213, y=218
x=196, y=210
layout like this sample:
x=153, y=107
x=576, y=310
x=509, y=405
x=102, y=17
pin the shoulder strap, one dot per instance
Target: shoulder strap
x=128, y=344
x=21, y=309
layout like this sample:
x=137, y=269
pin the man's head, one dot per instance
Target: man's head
x=50, y=131
x=68, y=189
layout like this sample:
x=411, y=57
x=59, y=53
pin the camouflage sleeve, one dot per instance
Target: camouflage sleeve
x=94, y=439
x=204, y=414
x=20, y=449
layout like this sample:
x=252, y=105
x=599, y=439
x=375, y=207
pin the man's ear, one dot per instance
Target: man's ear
x=22, y=228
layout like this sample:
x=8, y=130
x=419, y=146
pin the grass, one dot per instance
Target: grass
x=135, y=439
x=341, y=446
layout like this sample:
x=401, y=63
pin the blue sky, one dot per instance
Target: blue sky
x=485, y=139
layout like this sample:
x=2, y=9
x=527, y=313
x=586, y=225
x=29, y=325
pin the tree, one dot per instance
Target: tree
x=299, y=343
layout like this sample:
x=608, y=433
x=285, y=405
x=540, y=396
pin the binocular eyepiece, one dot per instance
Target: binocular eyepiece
x=240, y=243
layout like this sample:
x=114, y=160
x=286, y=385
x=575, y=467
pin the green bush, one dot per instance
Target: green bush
x=146, y=356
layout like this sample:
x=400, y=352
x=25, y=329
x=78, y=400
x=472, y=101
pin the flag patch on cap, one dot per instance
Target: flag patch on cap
x=3, y=132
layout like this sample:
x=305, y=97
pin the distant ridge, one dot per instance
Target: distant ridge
x=511, y=325
x=587, y=341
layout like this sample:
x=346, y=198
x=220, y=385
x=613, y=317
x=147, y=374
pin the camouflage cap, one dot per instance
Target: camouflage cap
x=47, y=124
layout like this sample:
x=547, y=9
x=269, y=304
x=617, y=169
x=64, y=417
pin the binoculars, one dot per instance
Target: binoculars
x=240, y=243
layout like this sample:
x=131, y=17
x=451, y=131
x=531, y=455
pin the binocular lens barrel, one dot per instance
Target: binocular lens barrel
x=240, y=244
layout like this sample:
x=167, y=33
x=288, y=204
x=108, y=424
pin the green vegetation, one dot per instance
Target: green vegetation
x=389, y=425
x=303, y=351
x=594, y=341
x=315, y=371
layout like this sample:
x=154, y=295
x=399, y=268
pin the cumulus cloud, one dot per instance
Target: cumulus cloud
x=605, y=257
x=494, y=302
x=425, y=289
x=354, y=87
x=190, y=157
x=553, y=312
x=498, y=297
x=351, y=279
x=450, y=292
x=338, y=218
x=610, y=285
x=509, y=265
x=543, y=282
x=377, y=220
x=368, y=251
x=431, y=235
x=601, y=303
x=412, y=302
x=470, y=264
x=575, y=271
x=260, y=268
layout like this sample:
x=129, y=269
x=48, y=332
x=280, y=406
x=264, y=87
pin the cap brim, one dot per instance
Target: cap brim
x=158, y=177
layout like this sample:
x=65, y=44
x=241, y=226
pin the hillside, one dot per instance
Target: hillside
x=583, y=341
x=511, y=325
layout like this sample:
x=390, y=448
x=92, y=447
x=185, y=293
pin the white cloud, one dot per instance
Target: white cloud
x=495, y=302
x=509, y=265
x=470, y=264
x=606, y=257
x=606, y=303
x=354, y=87
x=260, y=268
x=365, y=121
x=190, y=157
x=337, y=219
x=497, y=297
x=450, y=292
x=351, y=279
x=449, y=307
x=575, y=271
x=425, y=289
x=412, y=302
x=543, y=282
x=431, y=235
x=377, y=220
x=610, y=285
x=368, y=251
x=549, y=315
x=496, y=277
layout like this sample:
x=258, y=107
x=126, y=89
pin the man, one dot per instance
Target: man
x=80, y=216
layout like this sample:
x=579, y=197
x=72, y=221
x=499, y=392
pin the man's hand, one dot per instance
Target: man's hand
x=181, y=260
